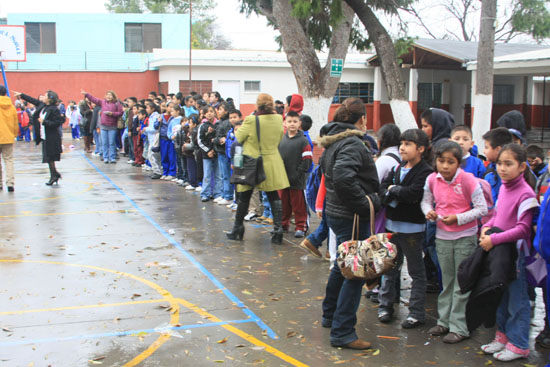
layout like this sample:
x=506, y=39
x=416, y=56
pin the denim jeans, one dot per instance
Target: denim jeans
x=267, y=206
x=342, y=296
x=108, y=139
x=514, y=311
x=211, y=182
x=409, y=245
x=224, y=167
x=98, y=145
x=320, y=234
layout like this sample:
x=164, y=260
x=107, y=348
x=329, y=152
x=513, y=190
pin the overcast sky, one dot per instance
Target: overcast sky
x=244, y=33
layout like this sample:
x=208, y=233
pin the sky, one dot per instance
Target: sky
x=244, y=33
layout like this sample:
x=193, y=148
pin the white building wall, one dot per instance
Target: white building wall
x=278, y=82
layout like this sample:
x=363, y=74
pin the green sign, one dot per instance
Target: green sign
x=336, y=67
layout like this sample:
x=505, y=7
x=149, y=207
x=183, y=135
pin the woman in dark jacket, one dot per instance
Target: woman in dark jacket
x=86, y=113
x=47, y=119
x=350, y=175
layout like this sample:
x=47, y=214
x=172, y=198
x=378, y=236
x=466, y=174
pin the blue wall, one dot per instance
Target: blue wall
x=96, y=41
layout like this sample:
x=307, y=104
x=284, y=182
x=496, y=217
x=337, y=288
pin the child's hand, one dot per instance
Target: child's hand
x=432, y=215
x=449, y=219
x=483, y=231
x=486, y=243
x=210, y=129
x=320, y=215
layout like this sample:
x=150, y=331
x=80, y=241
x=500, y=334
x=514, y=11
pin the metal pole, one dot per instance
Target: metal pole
x=5, y=78
x=190, y=43
x=543, y=109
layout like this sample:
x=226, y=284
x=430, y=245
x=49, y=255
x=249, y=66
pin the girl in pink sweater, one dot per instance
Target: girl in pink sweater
x=514, y=214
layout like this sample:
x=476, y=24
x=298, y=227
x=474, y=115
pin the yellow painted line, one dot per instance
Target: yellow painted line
x=174, y=317
x=99, y=305
x=27, y=214
x=89, y=188
x=249, y=338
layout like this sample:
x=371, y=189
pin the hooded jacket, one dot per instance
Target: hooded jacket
x=8, y=121
x=513, y=120
x=350, y=172
x=442, y=124
x=296, y=103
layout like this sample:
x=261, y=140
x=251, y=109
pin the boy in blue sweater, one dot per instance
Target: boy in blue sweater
x=535, y=157
x=494, y=140
x=462, y=135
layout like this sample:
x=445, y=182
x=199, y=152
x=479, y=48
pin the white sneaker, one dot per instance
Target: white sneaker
x=218, y=199
x=130, y=161
x=507, y=355
x=230, y=205
x=198, y=188
x=224, y=202
x=189, y=187
x=493, y=347
x=250, y=216
x=169, y=178
x=163, y=177
x=178, y=181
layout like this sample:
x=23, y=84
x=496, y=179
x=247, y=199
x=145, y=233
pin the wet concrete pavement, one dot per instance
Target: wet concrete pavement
x=111, y=268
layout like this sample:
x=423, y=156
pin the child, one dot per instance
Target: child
x=462, y=135
x=74, y=120
x=167, y=150
x=235, y=118
x=306, y=122
x=137, y=125
x=189, y=107
x=189, y=151
x=535, y=157
x=542, y=245
x=453, y=191
x=224, y=166
x=514, y=215
x=437, y=124
x=402, y=192
x=494, y=140
x=178, y=139
x=211, y=174
x=296, y=153
x=24, y=120
x=152, y=129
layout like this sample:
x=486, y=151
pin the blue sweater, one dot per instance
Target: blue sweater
x=173, y=122
x=542, y=238
x=494, y=180
x=474, y=165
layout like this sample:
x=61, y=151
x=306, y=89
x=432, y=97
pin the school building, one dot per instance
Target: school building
x=137, y=53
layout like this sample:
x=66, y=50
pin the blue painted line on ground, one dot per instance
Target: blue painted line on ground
x=198, y=265
x=121, y=333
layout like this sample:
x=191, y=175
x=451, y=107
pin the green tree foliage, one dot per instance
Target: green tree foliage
x=205, y=35
x=532, y=17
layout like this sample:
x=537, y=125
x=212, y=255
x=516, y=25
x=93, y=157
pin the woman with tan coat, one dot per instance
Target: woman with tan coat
x=271, y=133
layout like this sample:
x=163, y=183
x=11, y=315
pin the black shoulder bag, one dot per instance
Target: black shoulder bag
x=252, y=172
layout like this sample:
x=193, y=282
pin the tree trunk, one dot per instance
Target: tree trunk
x=391, y=72
x=314, y=81
x=483, y=98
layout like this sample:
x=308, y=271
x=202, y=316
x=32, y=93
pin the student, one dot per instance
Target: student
x=205, y=139
x=516, y=203
x=177, y=134
x=224, y=165
x=151, y=130
x=189, y=107
x=24, y=121
x=189, y=147
x=437, y=124
x=542, y=245
x=462, y=135
x=535, y=157
x=167, y=150
x=215, y=99
x=453, y=191
x=402, y=191
x=296, y=153
x=131, y=102
x=235, y=119
x=494, y=140
x=139, y=118
x=74, y=120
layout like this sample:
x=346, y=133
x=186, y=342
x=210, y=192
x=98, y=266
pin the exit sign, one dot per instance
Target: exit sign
x=336, y=67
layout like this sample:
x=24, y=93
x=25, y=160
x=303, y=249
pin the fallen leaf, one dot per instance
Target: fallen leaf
x=343, y=361
x=489, y=362
x=135, y=295
x=98, y=358
x=388, y=337
x=222, y=340
x=246, y=292
x=376, y=352
x=304, y=291
x=7, y=330
x=290, y=334
x=240, y=346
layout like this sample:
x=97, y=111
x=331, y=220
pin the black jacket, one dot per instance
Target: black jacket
x=296, y=165
x=95, y=118
x=408, y=193
x=34, y=118
x=486, y=275
x=205, y=138
x=350, y=173
x=52, y=121
x=222, y=127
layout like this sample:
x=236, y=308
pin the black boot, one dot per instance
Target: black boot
x=277, y=211
x=237, y=232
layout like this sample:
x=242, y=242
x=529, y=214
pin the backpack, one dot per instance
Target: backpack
x=312, y=186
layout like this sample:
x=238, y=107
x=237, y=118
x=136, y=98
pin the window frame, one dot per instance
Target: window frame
x=41, y=44
x=255, y=90
x=437, y=92
x=143, y=49
x=503, y=90
x=345, y=89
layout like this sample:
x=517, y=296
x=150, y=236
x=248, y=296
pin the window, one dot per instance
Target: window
x=365, y=91
x=251, y=86
x=40, y=37
x=503, y=94
x=142, y=37
x=429, y=95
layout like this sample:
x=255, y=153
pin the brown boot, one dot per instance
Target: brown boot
x=357, y=344
x=87, y=144
x=308, y=246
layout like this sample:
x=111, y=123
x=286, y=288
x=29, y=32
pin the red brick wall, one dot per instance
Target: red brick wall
x=199, y=86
